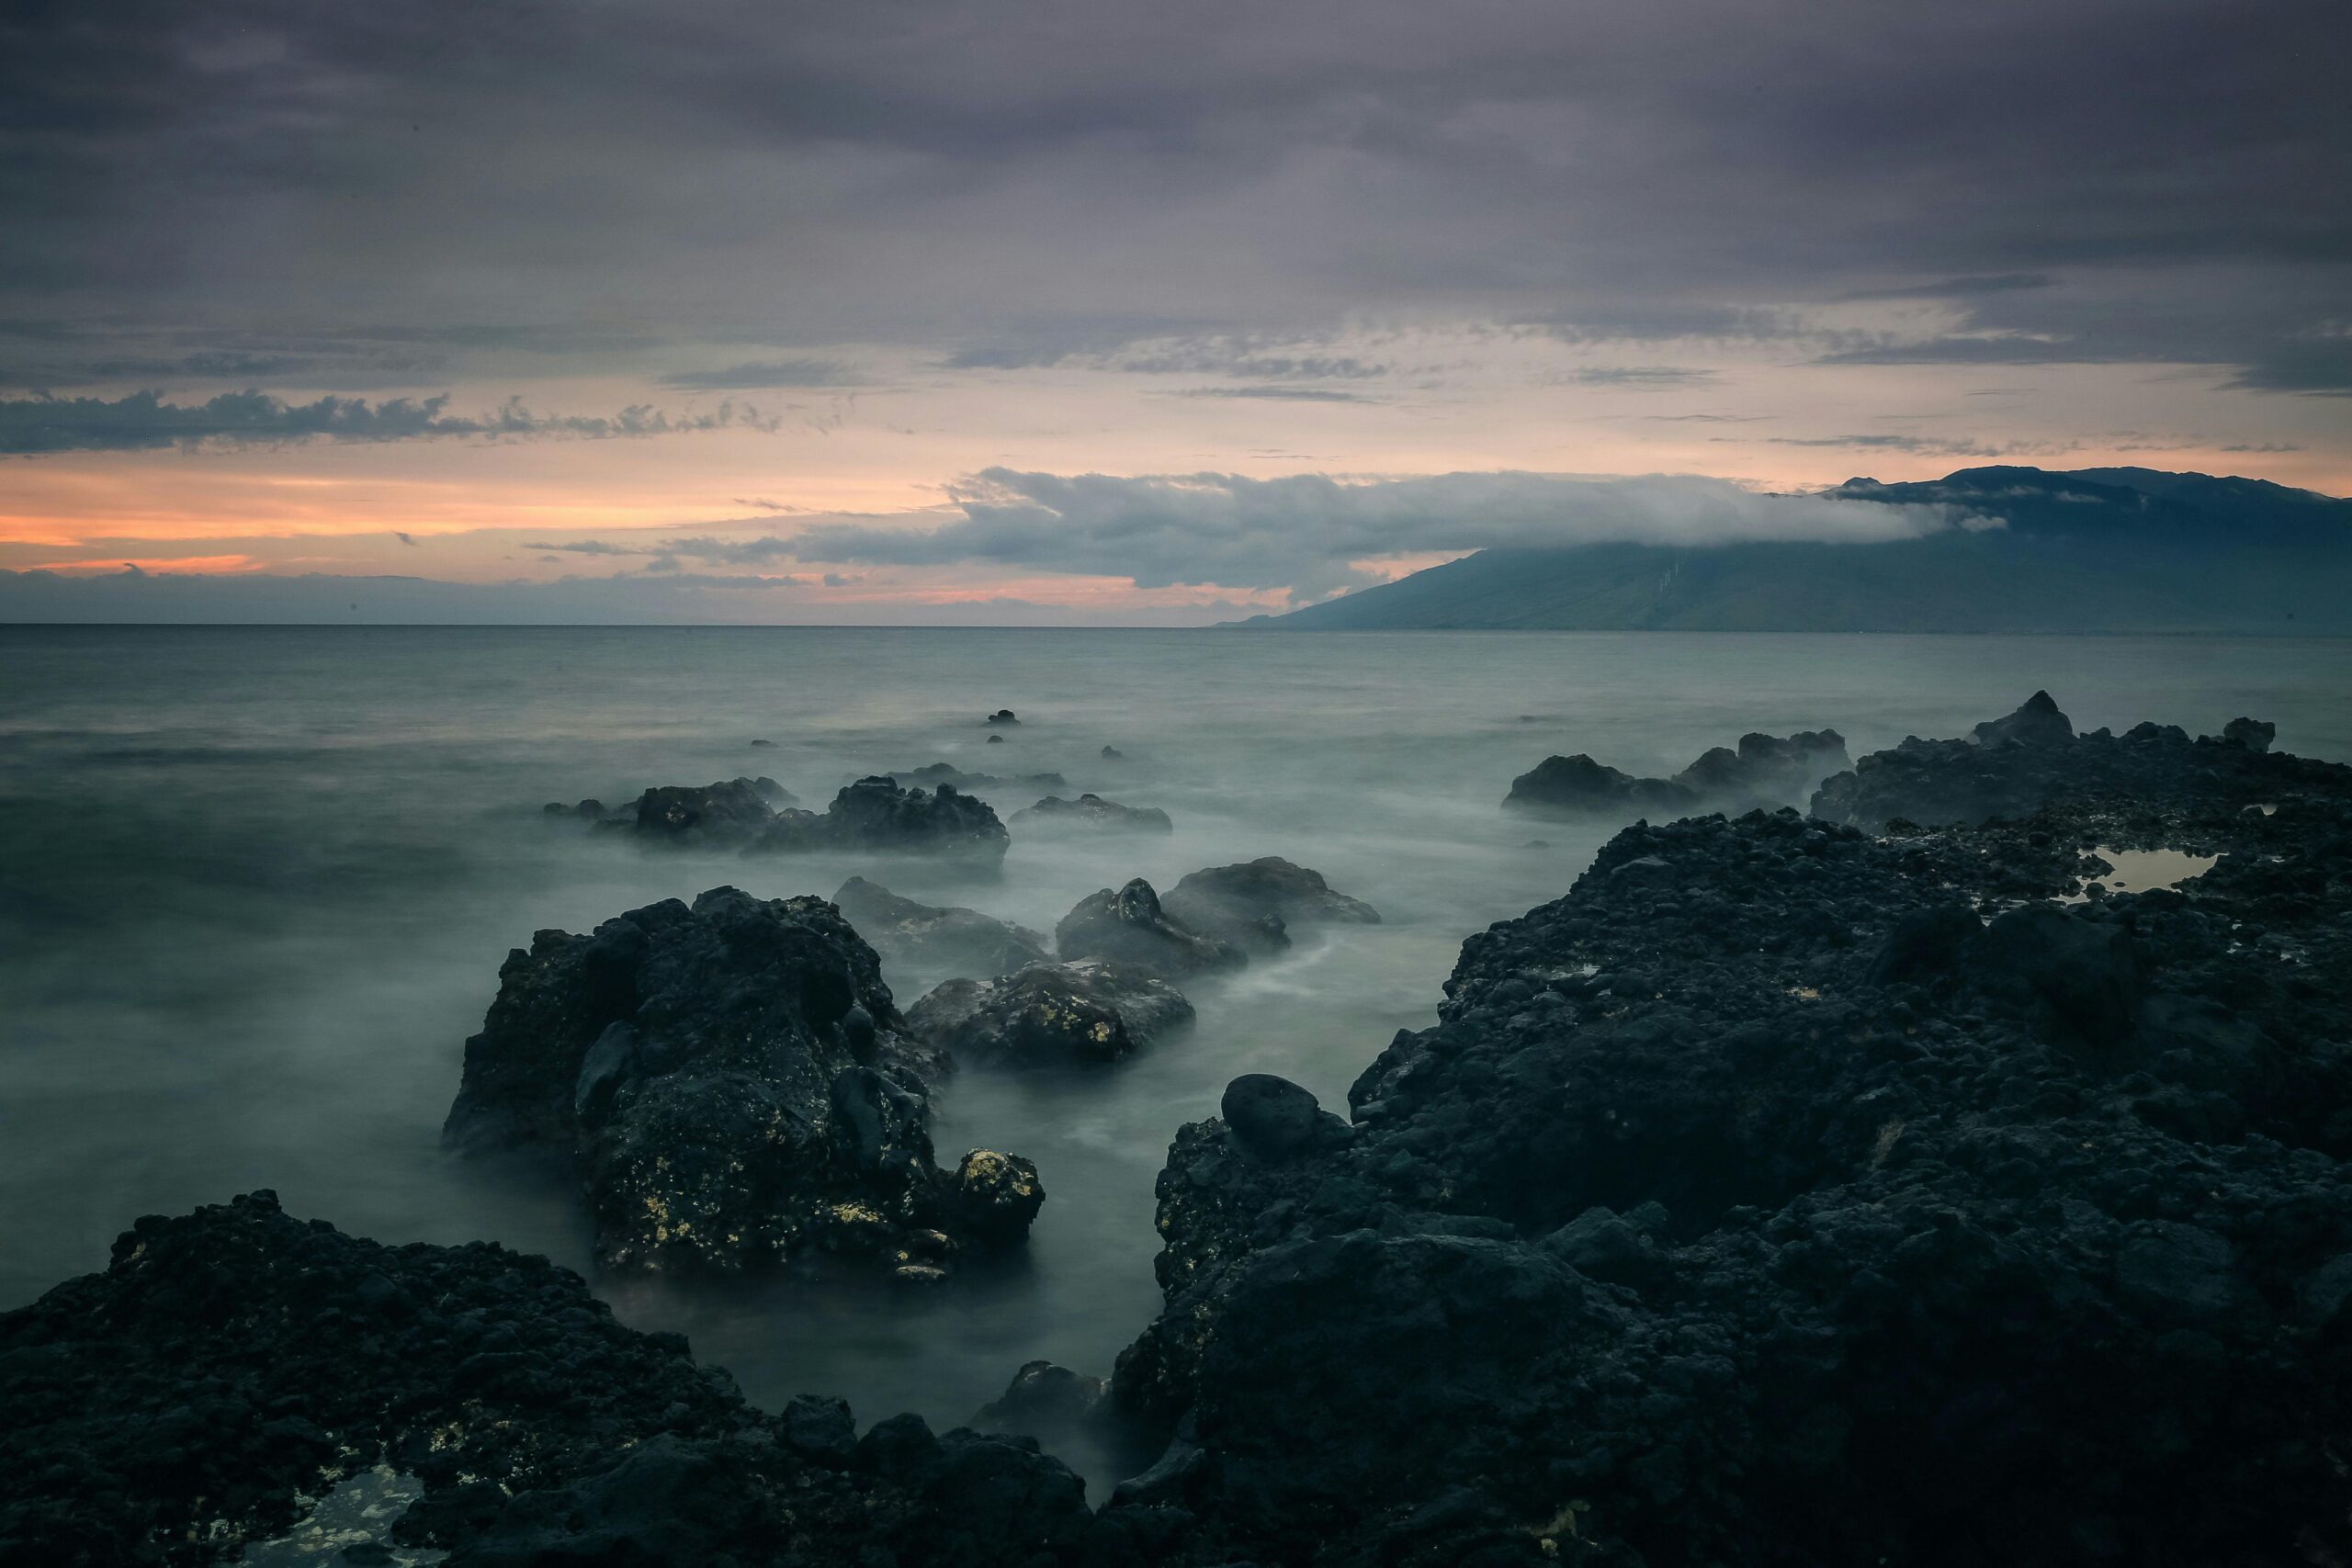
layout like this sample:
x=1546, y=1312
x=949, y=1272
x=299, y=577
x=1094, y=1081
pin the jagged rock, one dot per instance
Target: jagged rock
x=1092, y=813
x=1252, y=904
x=233, y=1363
x=2036, y=722
x=953, y=941
x=1128, y=927
x=875, y=814
x=1049, y=1015
x=730, y=1082
x=2031, y=759
x=1760, y=1201
x=1766, y=771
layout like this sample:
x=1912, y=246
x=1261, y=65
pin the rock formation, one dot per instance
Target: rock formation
x=1128, y=927
x=1049, y=1015
x=1252, y=904
x=732, y=1083
x=1766, y=771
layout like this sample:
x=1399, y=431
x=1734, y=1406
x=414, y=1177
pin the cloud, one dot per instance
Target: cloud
x=144, y=420
x=1304, y=533
x=767, y=373
x=1637, y=376
x=1959, y=288
x=1275, y=394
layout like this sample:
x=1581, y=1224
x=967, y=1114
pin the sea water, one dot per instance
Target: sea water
x=255, y=884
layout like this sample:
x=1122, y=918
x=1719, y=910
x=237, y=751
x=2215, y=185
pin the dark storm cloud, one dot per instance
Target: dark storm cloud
x=632, y=179
x=143, y=422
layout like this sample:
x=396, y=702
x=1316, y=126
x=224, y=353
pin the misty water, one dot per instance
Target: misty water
x=255, y=884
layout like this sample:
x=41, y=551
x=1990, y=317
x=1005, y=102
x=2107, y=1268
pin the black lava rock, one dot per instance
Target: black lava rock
x=875, y=814
x=232, y=1363
x=1128, y=927
x=1252, y=904
x=1082, y=1013
x=731, y=1080
x=1788, y=1195
x=1766, y=771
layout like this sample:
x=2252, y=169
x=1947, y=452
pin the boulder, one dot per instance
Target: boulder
x=1002, y=716
x=730, y=1082
x=1128, y=927
x=1081, y=1013
x=950, y=941
x=1274, y=1119
x=1252, y=904
x=1092, y=814
x=2254, y=734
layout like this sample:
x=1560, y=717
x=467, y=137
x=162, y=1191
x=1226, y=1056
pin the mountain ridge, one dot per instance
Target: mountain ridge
x=2114, y=551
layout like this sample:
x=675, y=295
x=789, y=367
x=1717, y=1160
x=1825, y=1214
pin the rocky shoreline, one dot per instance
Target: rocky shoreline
x=1856, y=1188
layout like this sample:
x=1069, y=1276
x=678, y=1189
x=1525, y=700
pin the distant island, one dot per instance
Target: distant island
x=2091, y=550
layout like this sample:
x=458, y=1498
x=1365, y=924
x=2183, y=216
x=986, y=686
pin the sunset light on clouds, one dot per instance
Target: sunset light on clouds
x=458, y=335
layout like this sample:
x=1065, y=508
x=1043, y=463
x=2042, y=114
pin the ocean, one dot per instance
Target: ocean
x=255, y=884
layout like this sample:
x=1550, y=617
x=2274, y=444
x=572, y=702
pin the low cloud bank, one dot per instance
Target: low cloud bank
x=143, y=422
x=1307, y=532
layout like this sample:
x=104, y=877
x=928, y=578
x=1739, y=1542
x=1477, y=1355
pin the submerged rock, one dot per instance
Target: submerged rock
x=875, y=814
x=731, y=1080
x=231, y=1364
x=954, y=940
x=1049, y=1015
x=1252, y=904
x=1766, y=771
x=1128, y=927
x=1092, y=813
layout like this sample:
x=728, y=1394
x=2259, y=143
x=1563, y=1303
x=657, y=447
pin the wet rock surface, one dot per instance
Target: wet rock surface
x=1129, y=927
x=954, y=940
x=230, y=1365
x=1766, y=771
x=1091, y=813
x=1254, y=904
x=1083, y=1013
x=875, y=814
x=732, y=1084
x=1784, y=1194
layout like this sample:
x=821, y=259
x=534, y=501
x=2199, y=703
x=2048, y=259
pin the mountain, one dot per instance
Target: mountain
x=2092, y=550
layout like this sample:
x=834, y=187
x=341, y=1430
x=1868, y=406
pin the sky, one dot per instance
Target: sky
x=1042, y=311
